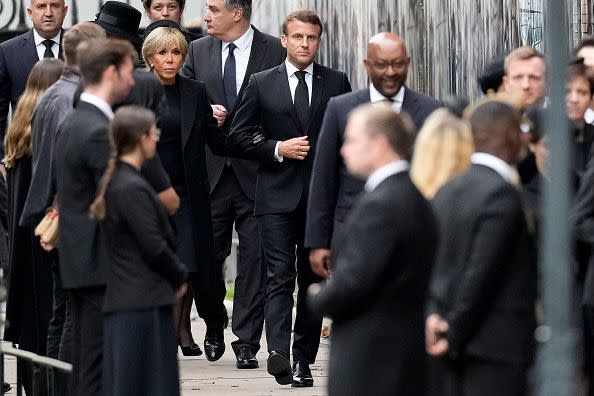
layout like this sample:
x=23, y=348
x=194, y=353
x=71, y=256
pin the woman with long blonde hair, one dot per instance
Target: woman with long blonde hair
x=29, y=304
x=442, y=150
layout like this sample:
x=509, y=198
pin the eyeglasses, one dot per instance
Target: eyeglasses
x=398, y=65
x=299, y=37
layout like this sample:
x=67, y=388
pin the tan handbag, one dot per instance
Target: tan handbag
x=47, y=229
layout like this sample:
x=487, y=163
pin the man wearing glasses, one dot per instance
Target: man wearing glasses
x=331, y=197
x=277, y=123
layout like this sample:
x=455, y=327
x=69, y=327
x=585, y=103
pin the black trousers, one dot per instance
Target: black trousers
x=230, y=205
x=87, y=341
x=59, y=332
x=286, y=259
x=477, y=377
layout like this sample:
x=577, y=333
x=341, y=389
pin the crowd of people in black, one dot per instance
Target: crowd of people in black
x=412, y=223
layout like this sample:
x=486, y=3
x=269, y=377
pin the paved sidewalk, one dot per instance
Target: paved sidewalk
x=201, y=377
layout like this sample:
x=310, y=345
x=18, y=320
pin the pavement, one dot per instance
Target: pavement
x=201, y=377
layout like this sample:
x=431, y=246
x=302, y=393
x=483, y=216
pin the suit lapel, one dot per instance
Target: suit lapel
x=215, y=75
x=285, y=91
x=189, y=109
x=30, y=49
x=317, y=91
x=364, y=97
x=257, y=55
x=409, y=103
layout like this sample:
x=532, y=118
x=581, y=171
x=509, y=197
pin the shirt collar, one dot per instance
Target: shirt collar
x=506, y=171
x=99, y=103
x=39, y=39
x=384, y=172
x=243, y=42
x=291, y=69
x=375, y=96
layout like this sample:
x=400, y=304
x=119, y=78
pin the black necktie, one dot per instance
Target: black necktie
x=48, y=49
x=302, y=100
x=229, y=80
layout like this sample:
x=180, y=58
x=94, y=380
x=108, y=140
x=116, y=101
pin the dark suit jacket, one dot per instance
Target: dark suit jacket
x=199, y=127
x=17, y=57
x=484, y=283
x=333, y=190
x=81, y=155
x=142, y=270
x=266, y=110
x=203, y=63
x=377, y=292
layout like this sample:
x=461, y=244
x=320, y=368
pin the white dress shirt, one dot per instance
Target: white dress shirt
x=241, y=54
x=99, y=103
x=384, y=172
x=508, y=172
x=375, y=97
x=589, y=116
x=41, y=48
x=293, y=81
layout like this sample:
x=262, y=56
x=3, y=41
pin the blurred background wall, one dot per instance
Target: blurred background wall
x=449, y=41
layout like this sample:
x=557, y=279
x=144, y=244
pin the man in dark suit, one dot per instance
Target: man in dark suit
x=232, y=180
x=18, y=55
x=377, y=292
x=333, y=190
x=82, y=151
x=483, y=290
x=276, y=122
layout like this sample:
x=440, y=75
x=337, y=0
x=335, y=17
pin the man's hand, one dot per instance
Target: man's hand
x=435, y=329
x=179, y=293
x=321, y=261
x=296, y=148
x=220, y=113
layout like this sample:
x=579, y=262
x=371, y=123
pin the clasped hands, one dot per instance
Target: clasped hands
x=436, y=343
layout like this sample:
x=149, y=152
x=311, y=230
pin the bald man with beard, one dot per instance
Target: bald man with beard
x=333, y=191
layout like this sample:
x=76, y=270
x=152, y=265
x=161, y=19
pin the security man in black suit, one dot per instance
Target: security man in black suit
x=18, y=55
x=224, y=60
x=276, y=123
x=333, y=190
x=483, y=291
x=377, y=293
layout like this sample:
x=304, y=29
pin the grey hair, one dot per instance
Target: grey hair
x=246, y=5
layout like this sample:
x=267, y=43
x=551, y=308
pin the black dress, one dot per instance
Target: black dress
x=29, y=303
x=140, y=345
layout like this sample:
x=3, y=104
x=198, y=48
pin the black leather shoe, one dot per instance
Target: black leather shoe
x=246, y=358
x=214, y=348
x=6, y=387
x=191, y=350
x=278, y=366
x=301, y=375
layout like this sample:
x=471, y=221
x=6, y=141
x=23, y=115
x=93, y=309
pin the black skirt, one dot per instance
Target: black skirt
x=140, y=353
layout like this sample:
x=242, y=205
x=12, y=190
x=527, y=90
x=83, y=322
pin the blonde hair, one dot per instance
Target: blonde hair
x=442, y=150
x=522, y=54
x=18, y=138
x=159, y=39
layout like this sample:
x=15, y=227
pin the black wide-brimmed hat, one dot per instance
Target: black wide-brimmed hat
x=492, y=78
x=120, y=20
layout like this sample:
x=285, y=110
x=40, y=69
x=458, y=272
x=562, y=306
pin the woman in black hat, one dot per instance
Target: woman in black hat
x=120, y=20
x=171, y=10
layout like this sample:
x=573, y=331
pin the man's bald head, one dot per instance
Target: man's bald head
x=387, y=63
x=496, y=130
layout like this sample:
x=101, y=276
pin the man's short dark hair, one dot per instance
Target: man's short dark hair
x=245, y=5
x=76, y=35
x=579, y=70
x=95, y=56
x=380, y=120
x=586, y=42
x=306, y=16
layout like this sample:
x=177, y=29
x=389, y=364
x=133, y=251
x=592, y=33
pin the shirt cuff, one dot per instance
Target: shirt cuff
x=277, y=156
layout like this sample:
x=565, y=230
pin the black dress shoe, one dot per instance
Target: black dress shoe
x=278, y=365
x=214, y=348
x=6, y=387
x=301, y=375
x=191, y=350
x=246, y=358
